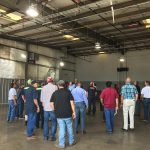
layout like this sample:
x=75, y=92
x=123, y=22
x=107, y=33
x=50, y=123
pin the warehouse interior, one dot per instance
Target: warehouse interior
x=87, y=40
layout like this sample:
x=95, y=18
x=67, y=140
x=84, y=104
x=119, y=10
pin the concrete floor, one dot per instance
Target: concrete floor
x=12, y=136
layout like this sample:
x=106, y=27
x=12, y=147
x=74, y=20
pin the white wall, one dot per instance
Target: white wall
x=104, y=67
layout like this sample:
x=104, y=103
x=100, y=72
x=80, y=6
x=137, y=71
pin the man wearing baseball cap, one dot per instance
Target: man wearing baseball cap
x=32, y=108
x=46, y=94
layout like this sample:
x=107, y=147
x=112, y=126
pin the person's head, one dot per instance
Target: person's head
x=128, y=80
x=34, y=84
x=136, y=83
x=13, y=85
x=61, y=84
x=76, y=80
x=50, y=79
x=29, y=82
x=79, y=84
x=108, y=84
x=91, y=83
x=147, y=83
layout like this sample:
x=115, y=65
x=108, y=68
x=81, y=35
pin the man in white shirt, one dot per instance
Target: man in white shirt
x=11, y=103
x=46, y=94
x=146, y=100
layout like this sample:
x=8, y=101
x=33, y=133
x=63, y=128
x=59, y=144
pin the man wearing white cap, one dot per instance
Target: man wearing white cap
x=46, y=94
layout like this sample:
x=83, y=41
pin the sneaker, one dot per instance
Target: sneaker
x=74, y=143
x=131, y=129
x=31, y=138
x=60, y=147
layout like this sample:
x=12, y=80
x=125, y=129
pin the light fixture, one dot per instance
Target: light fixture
x=147, y=23
x=101, y=52
x=148, y=26
x=97, y=45
x=122, y=60
x=61, y=64
x=68, y=36
x=23, y=56
x=75, y=39
x=14, y=16
x=2, y=11
x=32, y=11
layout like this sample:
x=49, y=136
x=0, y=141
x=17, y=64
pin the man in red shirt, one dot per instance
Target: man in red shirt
x=109, y=99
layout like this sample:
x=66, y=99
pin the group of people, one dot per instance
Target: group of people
x=66, y=106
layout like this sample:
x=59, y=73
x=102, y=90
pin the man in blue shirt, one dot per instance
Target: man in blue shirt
x=32, y=108
x=129, y=95
x=81, y=103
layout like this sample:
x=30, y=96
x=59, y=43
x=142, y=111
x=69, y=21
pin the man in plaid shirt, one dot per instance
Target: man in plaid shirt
x=129, y=95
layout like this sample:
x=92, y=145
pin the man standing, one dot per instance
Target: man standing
x=129, y=95
x=146, y=100
x=63, y=103
x=46, y=94
x=12, y=102
x=81, y=103
x=32, y=108
x=92, y=98
x=109, y=99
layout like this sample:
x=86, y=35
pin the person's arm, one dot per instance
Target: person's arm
x=52, y=105
x=117, y=103
x=102, y=98
x=52, y=101
x=14, y=96
x=102, y=101
x=85, y=99
x=35, y=97
x=73, y=109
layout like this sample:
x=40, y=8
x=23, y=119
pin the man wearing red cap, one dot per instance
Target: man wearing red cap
x=46, y=94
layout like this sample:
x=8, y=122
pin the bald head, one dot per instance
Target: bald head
x=128, y=80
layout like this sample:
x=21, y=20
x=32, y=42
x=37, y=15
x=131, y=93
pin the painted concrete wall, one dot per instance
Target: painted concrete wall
x=104, y=67
x=12, y=65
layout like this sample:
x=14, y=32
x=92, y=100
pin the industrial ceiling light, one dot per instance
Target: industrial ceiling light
x=61, y=64
x=2, y=11
x=147, y=23
x=75, y=39
x=122, y=59
x=101, y=52
x=32, y=11
x=97, y=45
x=68, y=36
x=23, y=55
x=14, y=16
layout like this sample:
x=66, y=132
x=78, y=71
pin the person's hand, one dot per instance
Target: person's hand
x=38, y=109
x=73, y=115
x=117, y=108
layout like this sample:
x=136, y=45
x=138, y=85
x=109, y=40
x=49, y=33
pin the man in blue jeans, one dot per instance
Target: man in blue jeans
x=81, y=103
x=32, y=108
x=11, y=102
x=109, y=99
x=63, y=104
x=146, y=100
x=46, y=94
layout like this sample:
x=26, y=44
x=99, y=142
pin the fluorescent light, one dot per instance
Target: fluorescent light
x=32, y=11
x=23, y=56
x=61, y=63
x=75, y=39
x=97, y=45
x=2, y=11
x=102, y=52
x=148, y=26
x=14, y=16
x=146, y=21
x=122, y=60
x=68, y=36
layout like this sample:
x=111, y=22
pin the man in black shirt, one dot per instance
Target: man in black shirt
x=92, y=98
x=32, y=108
x=63, y=103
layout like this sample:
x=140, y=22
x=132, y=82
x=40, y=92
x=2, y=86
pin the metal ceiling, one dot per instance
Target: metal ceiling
x=89, y=20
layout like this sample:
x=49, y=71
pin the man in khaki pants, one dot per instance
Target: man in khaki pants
x=129, y=95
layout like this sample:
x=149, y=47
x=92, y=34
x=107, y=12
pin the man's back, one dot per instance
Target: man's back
x=46, y=94
x=30, y=95
x=78, y=94
x=109, y=96
x=61, y=99
x=129, y=91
